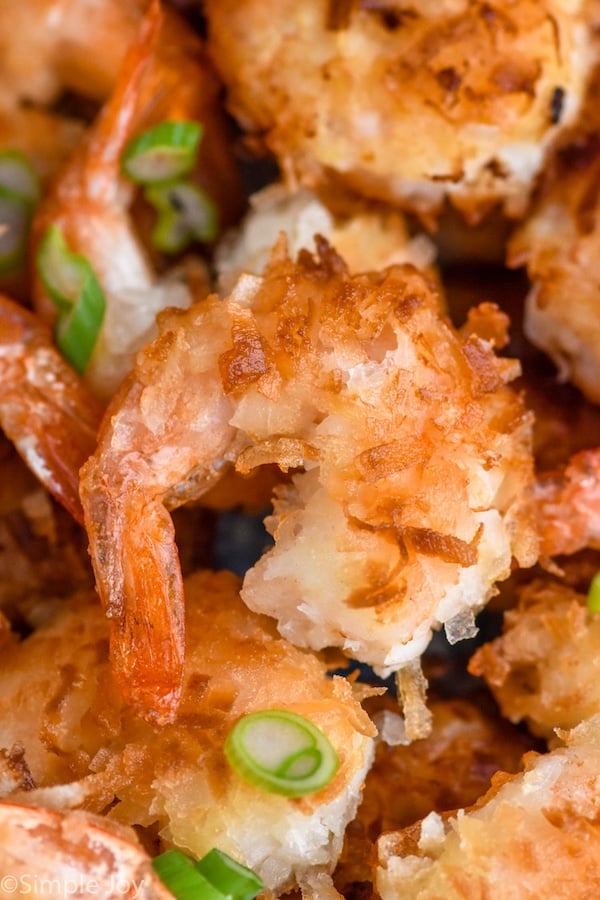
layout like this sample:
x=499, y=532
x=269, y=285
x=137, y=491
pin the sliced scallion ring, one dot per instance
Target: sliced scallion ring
x=281, y=752
x=163, y=153
x=18, y=176
x=593, y=597
x=178, y=872
x=15, y=218
x=185, y=214
x=76, y=292
x=215, y=877
x=232, y=878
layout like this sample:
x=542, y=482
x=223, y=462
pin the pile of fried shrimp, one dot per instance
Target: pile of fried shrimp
x=300, y=519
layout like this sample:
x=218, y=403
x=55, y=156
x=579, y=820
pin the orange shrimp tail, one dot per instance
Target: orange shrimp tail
x=45, y=408
x=148, y=630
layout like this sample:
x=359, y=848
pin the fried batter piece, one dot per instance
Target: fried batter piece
x=83, y=748
x=536, y=834
x=560, y=244
x=166, y=75
x=544, y=668
x=415, y=457
x=406, y=103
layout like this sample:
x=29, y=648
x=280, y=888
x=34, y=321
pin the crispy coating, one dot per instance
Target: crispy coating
x=449, y=769
x=559, y=242
x=406, y=103
x=83, y=748
x=166, y=75
x=544, y=668
x=415, y=458
x=533, y=835
x=45, y=408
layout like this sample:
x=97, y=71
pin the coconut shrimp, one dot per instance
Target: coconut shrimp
x=535, y=834
x=544, y=668
x=81, y=747
x=46, y=853
x=450, y=768
x=415, y=457
x=560, y=242
x=165, y=76
x=45, y=409
x=406, y=103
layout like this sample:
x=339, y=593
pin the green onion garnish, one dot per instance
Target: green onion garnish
x=230, y=877
x=19, y=193
x=15, y=218
x=185, y=214
x=215, y=877
x=593, y=597
x=163, y=153
x=18, y=176
x=281, y=752
x=76, y=292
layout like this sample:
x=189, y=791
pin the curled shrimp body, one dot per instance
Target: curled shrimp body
x=45, y=408
x=165, y=76
x=414, y=455
x=43, y=851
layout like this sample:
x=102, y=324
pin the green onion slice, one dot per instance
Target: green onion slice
x=18, y=176
x=163, y=153
x=76, y=292
x=15, y=218
x=185, y=214
x=232, y=878
x=215, y=877
x=178, y=872
x=593, y=597
x=281, y=752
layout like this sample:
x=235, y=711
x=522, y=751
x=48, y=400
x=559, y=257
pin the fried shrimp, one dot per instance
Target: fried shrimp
x=406, y=103
x=45, y=409
x=81, y=747
x=165, y=76
x=46, y=852
x=533, y=835
x=544, y=668
x=560, y=242
x=416, y=457
x=450, y=768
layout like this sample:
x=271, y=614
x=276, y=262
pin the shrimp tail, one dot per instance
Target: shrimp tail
x=45, y=408
x=147, y=639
